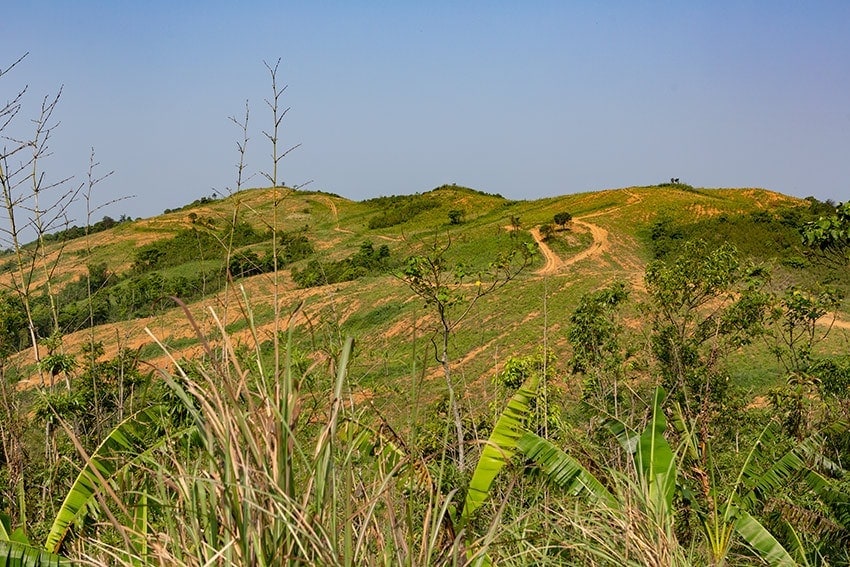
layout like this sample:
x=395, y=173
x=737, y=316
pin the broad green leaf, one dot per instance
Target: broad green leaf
x=655, y=460
x=761, y=541
x=16, y=554
x=500, y=447
x=564, y=471
x=127, y=441
x=5, y=526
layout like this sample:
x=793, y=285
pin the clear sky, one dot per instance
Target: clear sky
x=526, y=98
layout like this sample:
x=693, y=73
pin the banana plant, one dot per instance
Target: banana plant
x=722, y=517
x=500, y=447
x=657, y=468
x=19, y=554
x=124, y=444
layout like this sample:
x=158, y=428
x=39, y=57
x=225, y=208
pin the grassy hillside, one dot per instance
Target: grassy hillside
x=253, y=296
x=379, y=308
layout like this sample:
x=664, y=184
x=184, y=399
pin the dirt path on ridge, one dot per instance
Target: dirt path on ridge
x=601, y=243
x=553, y=262
x=332, y=206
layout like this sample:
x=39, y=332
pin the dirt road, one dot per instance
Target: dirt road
x=554, y=263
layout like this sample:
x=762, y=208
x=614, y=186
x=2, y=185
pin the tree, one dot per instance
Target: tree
x=797, y=314
x=24, y=186
x=455, y=216
x=562, y=218
x=702, y=304
x=829, y=237
x=547, y=232
x=443, y=285
x=594, y=334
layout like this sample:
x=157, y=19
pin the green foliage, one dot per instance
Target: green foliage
x=664, y=236
x=544, y=415
x=797, y=313
x=190, y=244
x=13, y=323
x=702, y=304
x=500, y=447
x=367, y=260
x=455, y=216
x=294, y=246
x=761, y=236
x=75, y=231
x=439, y=281
x=122, y=446
x=830, y=236
x=248, y=263
x=562, y=219
x=547, y=232
x=17, y=554
x=564, y=471
x=196, y=203
x=398, y=209
x=594, y=331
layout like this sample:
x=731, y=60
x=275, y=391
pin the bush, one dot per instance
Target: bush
x=399, y=209
x=195, y=243
x=562, y=218
x=294, y=246
x=363, y=262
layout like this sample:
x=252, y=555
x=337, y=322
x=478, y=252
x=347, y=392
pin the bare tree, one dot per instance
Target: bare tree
x=23, y=184
x=242, y=147
x=277, y=118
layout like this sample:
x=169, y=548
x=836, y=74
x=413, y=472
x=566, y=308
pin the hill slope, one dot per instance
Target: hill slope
x=610, y=238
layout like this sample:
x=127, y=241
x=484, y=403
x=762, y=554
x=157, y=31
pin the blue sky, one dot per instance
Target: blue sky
x=526, y=99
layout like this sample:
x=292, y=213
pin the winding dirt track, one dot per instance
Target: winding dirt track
x=553, y=262
x=599, y=246
x=332, y=206
x=600, y=243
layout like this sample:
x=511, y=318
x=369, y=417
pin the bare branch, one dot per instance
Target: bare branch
x=242, y=147
x=277, y=118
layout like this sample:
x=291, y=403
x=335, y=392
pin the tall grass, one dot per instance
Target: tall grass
x=260, y=482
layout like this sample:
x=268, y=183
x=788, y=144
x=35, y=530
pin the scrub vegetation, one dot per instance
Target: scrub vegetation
x=279, y=376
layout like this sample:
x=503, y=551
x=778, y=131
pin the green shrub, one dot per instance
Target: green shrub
x=562, y=218
x=365, y=261
x=399, y=209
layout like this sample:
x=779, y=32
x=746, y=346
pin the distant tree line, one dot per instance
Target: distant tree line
x=74, y=231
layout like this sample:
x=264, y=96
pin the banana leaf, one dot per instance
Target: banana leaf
x=500, y=447
x=127, y=441
x=564, y=471
x=17, y=554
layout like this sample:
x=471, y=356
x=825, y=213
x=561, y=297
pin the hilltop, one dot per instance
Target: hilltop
x=425, y=369
x=610, y=238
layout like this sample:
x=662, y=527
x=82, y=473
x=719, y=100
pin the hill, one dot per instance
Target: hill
x=612, y=236
x=617, y=366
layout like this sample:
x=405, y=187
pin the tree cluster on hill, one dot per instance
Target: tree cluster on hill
x=367, y=260
x=398, y=209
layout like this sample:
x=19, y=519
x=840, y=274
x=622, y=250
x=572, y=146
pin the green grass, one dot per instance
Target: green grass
x=560, y=245
x=366, y=480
